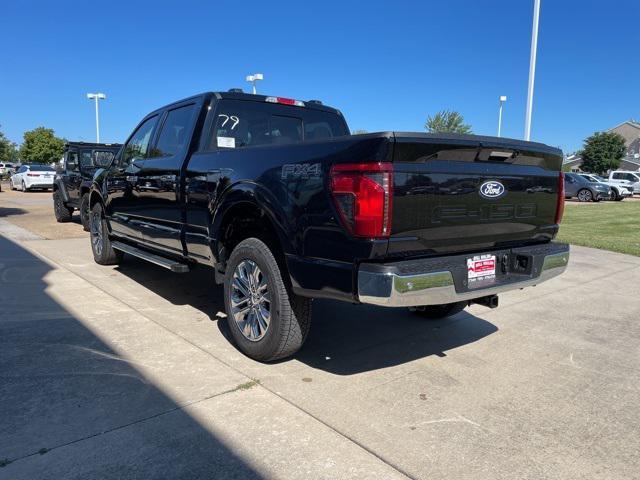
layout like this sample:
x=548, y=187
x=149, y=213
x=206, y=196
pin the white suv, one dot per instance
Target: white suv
x=626, y=177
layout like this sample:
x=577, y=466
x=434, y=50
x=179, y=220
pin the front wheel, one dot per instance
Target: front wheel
x=436, y=312
x=103, y=252
x=266, y=320
x=60, y=210
x=585, y=195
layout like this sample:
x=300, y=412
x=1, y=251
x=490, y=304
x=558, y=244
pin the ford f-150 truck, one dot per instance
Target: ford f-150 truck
x=285, y=205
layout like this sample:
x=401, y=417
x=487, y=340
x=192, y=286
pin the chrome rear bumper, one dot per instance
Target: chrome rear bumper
x=399, y=285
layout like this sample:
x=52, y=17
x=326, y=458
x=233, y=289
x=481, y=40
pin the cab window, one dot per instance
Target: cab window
x=240, y=123
x=138, y=144
x=85, y=159
x=174, y=136
x=72, y=160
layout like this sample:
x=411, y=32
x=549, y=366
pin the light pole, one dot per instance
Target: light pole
x=503, y=98
x=252, y=80
x=97, y=97
x=532, y=68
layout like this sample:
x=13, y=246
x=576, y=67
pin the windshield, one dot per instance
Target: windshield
x=41, y=168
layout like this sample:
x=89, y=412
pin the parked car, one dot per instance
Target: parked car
x=625, y=177
x=584, y=190
x=6, y=169
x=618, y=191
x=32, y=177
x=71, y=187
x=287, y=206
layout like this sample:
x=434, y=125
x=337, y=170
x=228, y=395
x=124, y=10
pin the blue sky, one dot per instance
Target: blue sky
x=387, y=65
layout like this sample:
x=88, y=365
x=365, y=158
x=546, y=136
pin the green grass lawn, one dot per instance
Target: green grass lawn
x=608, y=225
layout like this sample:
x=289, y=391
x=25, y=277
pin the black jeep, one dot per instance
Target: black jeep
x=72, y=183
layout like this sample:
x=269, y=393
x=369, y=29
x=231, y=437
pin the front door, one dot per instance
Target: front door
x=123, y=195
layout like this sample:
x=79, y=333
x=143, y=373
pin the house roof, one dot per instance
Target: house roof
x=631, y=122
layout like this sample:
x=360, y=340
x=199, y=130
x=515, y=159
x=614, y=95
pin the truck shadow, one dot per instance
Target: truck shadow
x=349, y=339
x=345, y=339
x=73, y=407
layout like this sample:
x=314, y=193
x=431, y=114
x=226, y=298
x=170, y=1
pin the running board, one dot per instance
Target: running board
x=167, y=263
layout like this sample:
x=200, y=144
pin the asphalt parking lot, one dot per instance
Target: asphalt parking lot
x=126, y=372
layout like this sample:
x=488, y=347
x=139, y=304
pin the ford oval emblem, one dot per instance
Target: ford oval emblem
x=492, y=189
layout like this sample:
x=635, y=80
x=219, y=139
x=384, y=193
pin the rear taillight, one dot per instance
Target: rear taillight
x=560, y=203
x=363, y=194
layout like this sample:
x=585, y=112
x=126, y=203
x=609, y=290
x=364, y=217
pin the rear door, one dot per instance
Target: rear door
x=456, y=193
x=71, y=178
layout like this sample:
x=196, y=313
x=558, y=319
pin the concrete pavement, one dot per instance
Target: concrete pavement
x=126, y=372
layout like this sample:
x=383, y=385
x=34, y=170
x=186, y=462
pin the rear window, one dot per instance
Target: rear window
x=246, y=124
x=41, y=168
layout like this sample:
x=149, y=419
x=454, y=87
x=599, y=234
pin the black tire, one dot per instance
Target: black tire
x=85, y=212
x=617, y=196
x=289, y=314
x=24, y=187
x=436, y=312
x=61, y=211
x=585, y=195
x=11, y=184
x=103, y=252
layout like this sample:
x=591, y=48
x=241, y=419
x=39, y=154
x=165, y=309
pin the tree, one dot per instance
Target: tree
x=602, y=151
x=8, y=151
x=447, y=121
x=41, y=146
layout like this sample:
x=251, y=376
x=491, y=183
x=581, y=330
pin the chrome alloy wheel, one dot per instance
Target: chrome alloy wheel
x=250, y=300
x=96, y=232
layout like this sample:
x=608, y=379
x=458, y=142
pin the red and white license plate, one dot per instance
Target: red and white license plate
x=481, y=269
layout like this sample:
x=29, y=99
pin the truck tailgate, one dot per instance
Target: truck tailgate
x=455, y=193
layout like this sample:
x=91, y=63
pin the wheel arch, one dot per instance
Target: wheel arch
x=248, y=210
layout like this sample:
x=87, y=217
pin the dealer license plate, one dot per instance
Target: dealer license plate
x=481, y=270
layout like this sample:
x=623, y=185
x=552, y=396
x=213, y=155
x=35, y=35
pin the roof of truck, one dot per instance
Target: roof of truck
x=309, y=104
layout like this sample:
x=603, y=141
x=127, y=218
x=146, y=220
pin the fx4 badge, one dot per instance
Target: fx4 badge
x=301, y=170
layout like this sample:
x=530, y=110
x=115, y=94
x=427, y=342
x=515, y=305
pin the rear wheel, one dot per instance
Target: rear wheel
x=585, y=195
x=24, y=186
x=266, y=320
x=103, y=252
x=617, y=196
x=85, y=212
x=61, y=211
x=436, y=312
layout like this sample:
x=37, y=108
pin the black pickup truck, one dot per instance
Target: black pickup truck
x=285, y=205
x=74, y=177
